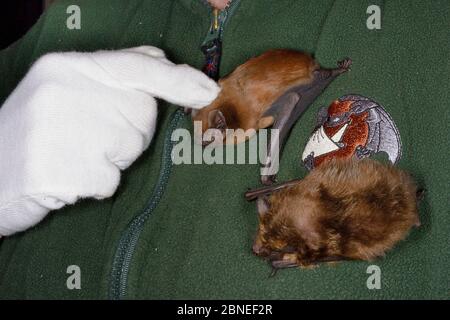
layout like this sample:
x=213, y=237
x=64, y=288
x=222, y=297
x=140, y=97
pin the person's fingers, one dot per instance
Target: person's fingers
x=179, y=84
x=77, y=120
x=17, y=215
x=141, y=112
x=150, y=51
x=147, y=50
x=194, y=89
x=207, y=92
x=126, y=146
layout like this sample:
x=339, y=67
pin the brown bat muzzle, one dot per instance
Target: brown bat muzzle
x=257, y=248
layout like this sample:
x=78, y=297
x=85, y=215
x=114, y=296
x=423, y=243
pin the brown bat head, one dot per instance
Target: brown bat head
x=343, y=210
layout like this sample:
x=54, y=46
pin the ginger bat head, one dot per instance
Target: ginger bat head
x=343, y=210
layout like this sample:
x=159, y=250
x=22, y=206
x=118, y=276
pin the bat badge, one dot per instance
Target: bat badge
x=352, y=126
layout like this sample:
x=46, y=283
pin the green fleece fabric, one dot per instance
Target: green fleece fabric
x=197, y=242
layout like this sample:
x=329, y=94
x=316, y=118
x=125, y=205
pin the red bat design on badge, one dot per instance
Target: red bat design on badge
x=352, y=126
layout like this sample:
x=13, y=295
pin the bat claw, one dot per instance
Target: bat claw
x=420, y=194
x=273, y=273
x=309, y=161
x=268, y=180
x=345, y=64
x=363, y=152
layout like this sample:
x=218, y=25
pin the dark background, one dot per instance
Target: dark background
x=16, y=18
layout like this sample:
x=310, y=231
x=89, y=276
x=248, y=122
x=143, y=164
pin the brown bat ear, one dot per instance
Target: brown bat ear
x=262, y=204
x=216, y=120
x=420, y=194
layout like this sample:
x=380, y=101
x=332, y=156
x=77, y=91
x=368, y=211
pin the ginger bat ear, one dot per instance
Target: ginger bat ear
x=216, y=120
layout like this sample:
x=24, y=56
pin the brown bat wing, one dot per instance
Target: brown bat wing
x=263, y=191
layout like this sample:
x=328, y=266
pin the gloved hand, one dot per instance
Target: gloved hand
x=77, y=119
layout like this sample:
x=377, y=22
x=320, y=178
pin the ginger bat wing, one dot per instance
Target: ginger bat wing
x=287, y=109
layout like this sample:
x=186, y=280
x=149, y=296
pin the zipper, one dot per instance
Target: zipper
x=129, y=239
x=212, y=45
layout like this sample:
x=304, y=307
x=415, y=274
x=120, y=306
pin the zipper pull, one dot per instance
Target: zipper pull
x=212, y=47
x=216, y=19
x=213, y=54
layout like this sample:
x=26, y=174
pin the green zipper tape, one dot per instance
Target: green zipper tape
x=130, y=237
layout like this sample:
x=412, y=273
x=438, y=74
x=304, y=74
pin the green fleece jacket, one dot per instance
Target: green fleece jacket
x=185, y=231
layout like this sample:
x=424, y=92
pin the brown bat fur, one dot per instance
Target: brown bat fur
x=344, y=209
x=251, y=89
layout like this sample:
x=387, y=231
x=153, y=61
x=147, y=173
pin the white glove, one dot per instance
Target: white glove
x=77, y=119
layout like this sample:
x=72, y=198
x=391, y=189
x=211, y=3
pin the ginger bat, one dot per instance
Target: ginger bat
x=342, y=210
x=273, y=89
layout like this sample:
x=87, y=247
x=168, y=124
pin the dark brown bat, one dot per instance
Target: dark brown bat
x=342, y=210
x=273, y=89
